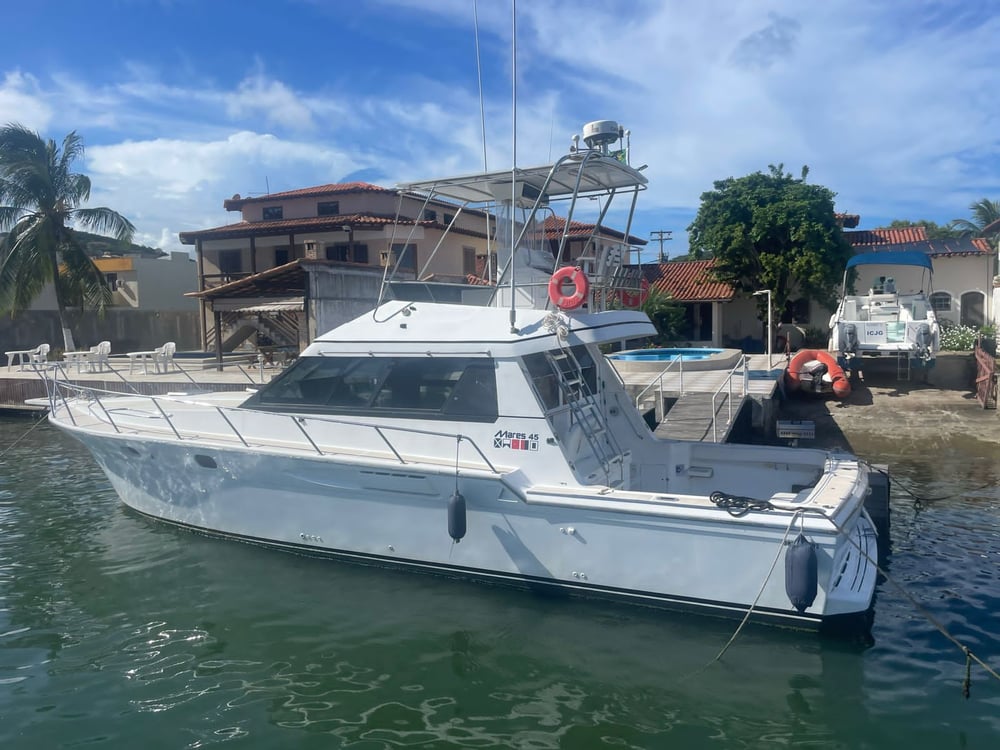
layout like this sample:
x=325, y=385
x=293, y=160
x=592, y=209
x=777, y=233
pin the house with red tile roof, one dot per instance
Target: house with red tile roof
x=713, y=313
x=300, y=262
x=964, y=269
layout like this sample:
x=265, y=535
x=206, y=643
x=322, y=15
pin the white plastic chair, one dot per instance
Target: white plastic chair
x=98, y=357
x=41, y=354
x=163, y=357
x=37, y=356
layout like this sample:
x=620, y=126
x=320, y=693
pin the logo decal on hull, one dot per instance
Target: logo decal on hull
x=518, y=441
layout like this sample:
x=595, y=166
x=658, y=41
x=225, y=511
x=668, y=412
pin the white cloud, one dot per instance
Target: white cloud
x=21, y=101
x=900, y=123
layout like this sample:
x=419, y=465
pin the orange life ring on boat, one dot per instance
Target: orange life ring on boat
x=581, y=286
x=636, y=299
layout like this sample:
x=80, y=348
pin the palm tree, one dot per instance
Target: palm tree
x=39, y=202
x=984, y=213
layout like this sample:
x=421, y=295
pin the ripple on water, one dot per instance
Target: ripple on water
x=120, y=632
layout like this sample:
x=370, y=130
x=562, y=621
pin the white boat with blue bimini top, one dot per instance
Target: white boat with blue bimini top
x=893, y=317
x=496, y=442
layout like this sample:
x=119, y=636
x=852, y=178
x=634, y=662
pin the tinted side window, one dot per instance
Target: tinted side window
x=418, y=387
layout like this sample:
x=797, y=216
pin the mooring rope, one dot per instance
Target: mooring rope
x=760, y=592
x=921, y=500
x=969, y=655
x=28, y=432
x=738, y=506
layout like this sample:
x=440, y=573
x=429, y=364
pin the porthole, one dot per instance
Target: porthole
x=206, y=462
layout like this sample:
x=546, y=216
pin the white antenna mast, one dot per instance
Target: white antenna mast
x=513, y=170
x=488, y=269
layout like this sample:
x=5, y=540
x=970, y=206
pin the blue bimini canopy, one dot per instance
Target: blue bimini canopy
x=892, y=258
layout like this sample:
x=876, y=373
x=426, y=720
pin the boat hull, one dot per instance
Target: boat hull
x=397, y=516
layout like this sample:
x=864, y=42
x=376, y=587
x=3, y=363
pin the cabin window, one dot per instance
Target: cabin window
x=941, y=302
x=328, y=208
x=449, y=218
x=273, y=213
x=280, y=256
x=430, y=214
x=458, y=388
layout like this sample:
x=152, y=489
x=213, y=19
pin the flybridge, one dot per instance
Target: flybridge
x=516, y=204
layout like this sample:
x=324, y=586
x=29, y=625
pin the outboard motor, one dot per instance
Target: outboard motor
x=848, y=345
x=924, y=339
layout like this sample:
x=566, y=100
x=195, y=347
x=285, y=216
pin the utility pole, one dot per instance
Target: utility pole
x=662, y=235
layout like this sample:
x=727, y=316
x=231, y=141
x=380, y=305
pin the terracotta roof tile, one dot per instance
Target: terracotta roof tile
x=236, y=203
x=554, y=225
x=886, y=236
x=688, y=281
x=296, y=226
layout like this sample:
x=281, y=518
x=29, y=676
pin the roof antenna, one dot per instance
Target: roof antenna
x=488, y=270
x=513, y=170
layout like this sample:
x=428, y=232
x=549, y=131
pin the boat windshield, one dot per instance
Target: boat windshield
x=455, y=388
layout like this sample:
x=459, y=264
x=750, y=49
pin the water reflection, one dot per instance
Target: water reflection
x=116, y=629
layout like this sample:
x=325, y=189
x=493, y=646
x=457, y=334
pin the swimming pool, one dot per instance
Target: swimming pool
x=656, y=360
x=665, y=355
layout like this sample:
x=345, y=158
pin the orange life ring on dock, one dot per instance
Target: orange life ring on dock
x=581, y=286
x=841, y=386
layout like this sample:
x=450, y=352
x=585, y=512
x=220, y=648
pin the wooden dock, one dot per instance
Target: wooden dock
x=688, y=399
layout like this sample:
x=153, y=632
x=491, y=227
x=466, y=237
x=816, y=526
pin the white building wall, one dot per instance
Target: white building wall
x=161, y=283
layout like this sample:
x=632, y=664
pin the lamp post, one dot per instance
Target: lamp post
x=770, y=333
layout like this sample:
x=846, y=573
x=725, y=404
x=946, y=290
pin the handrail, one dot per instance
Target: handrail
x=658, y=379
x=742, y=364
x=58, y=401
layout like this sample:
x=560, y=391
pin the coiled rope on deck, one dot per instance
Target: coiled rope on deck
x=738, y=505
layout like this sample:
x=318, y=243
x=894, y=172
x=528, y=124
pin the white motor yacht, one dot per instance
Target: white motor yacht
x=496, y=442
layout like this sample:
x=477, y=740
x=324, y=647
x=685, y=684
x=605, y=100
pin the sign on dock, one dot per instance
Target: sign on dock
x=796, y=429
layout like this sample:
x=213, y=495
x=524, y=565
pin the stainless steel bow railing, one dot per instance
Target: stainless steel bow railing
x=63, y=394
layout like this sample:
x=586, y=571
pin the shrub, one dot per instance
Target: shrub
x=957, y=338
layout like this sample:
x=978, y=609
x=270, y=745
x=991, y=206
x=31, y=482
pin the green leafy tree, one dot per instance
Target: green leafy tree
x=772, y=231
x=984, y=212
x=667, y=316
x=40, y=200
x=934, y=231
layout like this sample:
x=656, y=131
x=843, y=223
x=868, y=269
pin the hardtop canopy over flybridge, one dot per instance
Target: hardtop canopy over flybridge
x=515, y=204
x=498, y=444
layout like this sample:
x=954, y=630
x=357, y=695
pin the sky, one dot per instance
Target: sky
x=892, y=105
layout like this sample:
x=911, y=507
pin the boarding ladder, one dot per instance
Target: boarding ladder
x=902, y=365
x=585, y=412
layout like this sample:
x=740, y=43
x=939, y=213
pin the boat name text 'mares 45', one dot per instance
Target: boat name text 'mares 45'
x=495, y=441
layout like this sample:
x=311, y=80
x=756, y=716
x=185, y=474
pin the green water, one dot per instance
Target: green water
x=119, y=632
